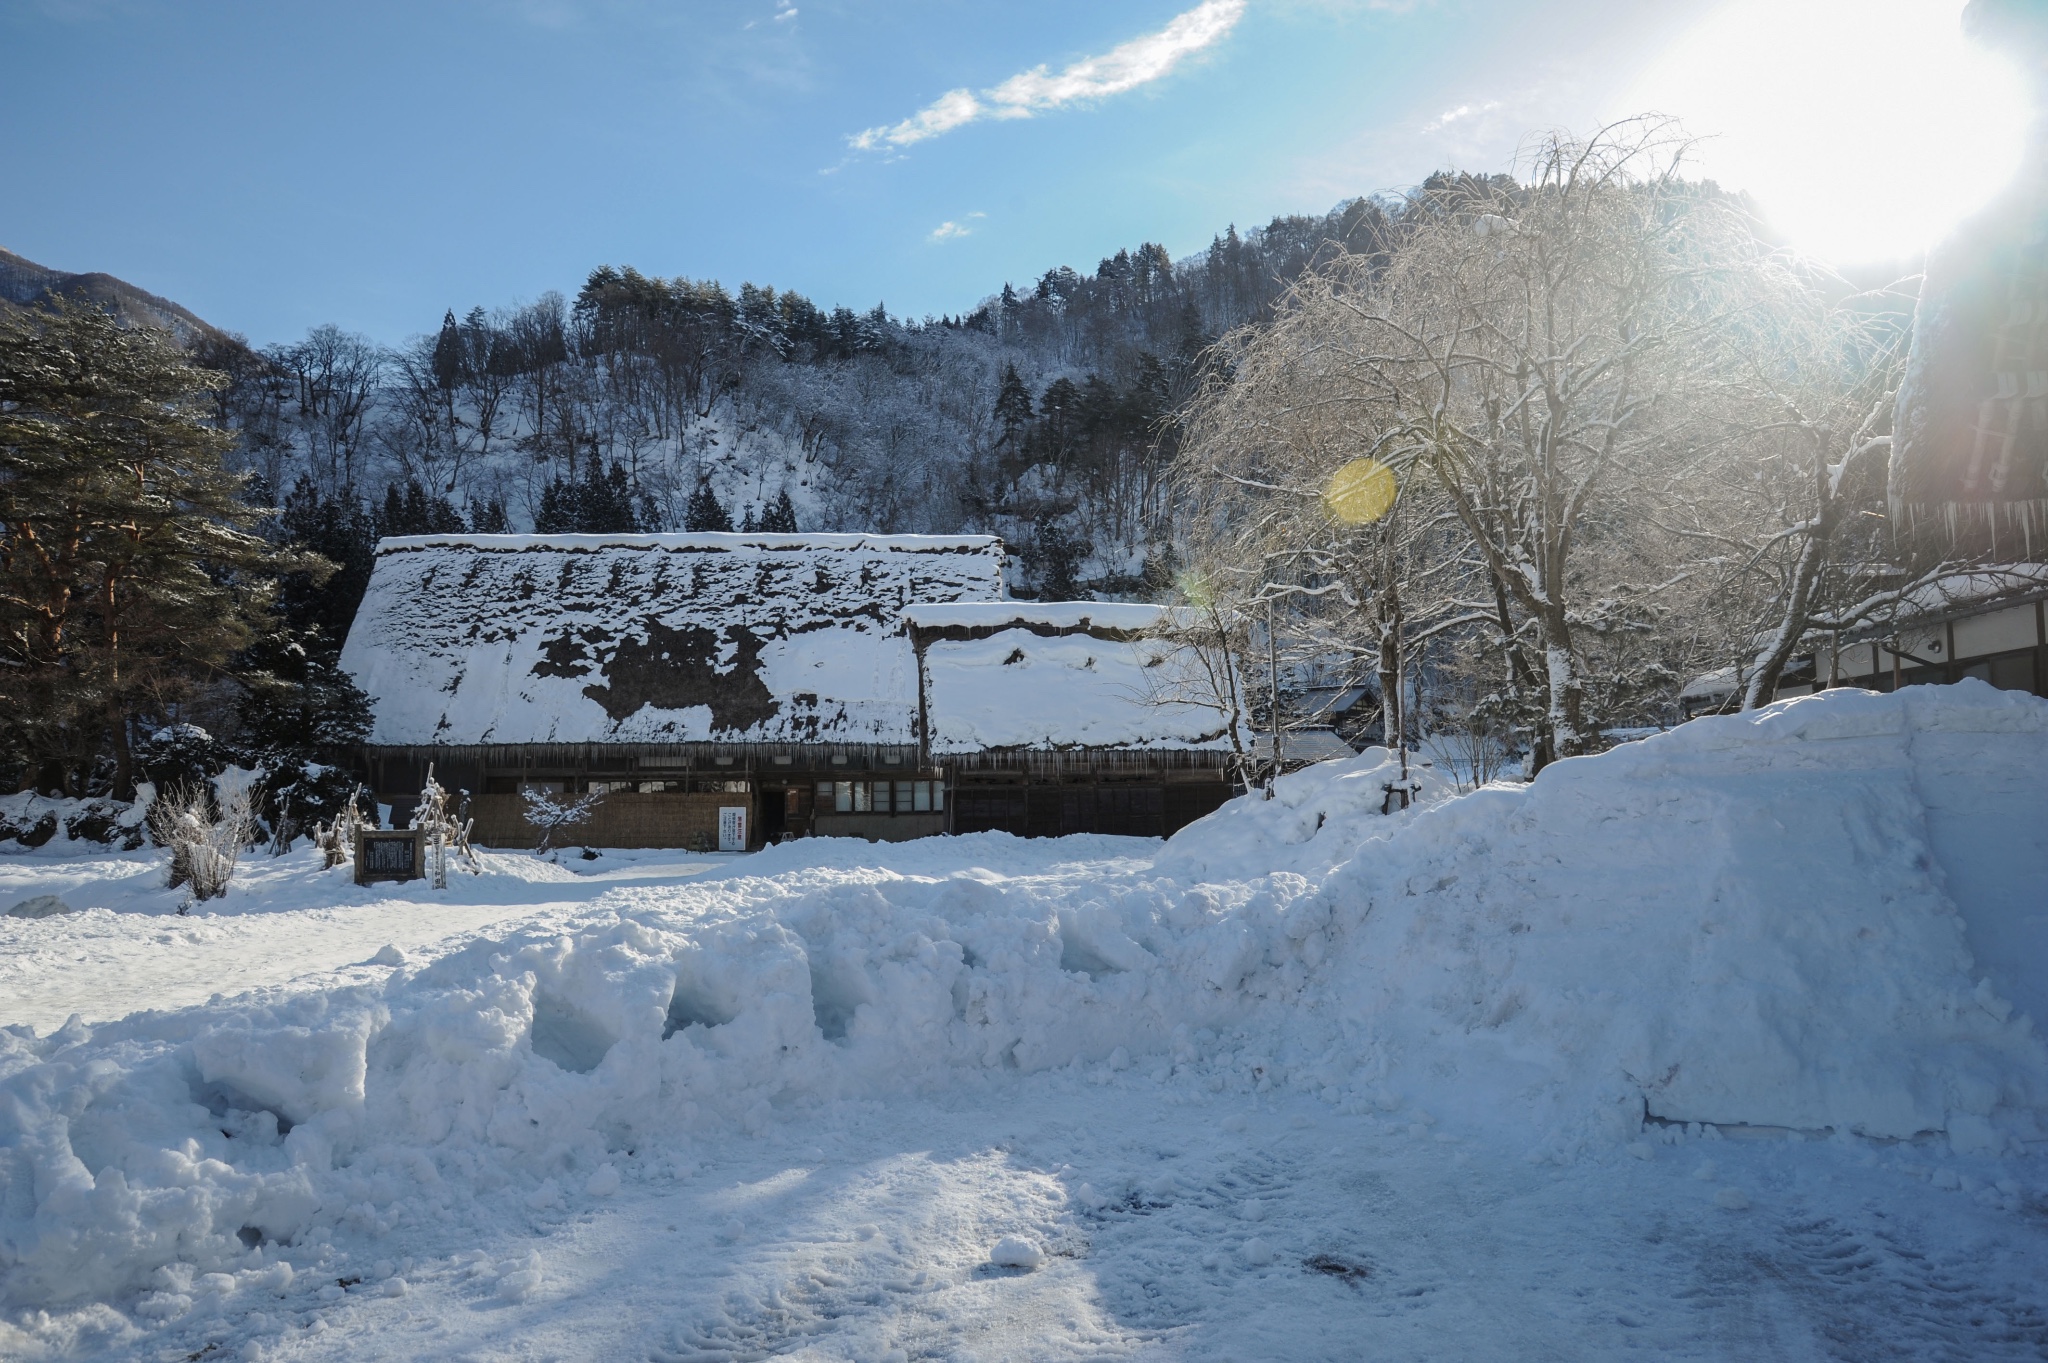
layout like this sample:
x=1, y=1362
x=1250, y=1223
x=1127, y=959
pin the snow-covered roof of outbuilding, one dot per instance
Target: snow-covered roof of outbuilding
x=1070, y=615
x=467, y=639
x=1300, y=747
x=1060, y=675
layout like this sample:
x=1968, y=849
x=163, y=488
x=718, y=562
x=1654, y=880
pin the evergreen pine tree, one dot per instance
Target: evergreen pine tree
x=448, y=356
x=1055, y=557
x=705, y=511
x=129, y=572
x=410, y=509
x=747, y=523
x=489, y=518
x=1013, y=407
x=1059, y=421
x=343, y=533
x=558, y=510
x=603, y=504
x=779, y=516
x=606, y=504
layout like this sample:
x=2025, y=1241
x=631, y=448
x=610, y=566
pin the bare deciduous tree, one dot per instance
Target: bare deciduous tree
x=1525, y=358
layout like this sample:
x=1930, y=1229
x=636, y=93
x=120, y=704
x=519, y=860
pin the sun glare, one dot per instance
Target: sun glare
x=1865, y=128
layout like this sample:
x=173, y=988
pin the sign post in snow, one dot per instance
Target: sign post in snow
x=387, y=854
x=732, y=828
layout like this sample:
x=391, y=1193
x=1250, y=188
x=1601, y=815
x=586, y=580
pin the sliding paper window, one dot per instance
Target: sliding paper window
x=882, y=797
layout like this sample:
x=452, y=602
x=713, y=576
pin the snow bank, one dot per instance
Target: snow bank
x=1763, y=920
x=1318, y=817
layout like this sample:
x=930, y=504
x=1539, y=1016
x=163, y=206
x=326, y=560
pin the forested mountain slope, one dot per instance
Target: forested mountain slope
x=25, y=284
x=648, y=403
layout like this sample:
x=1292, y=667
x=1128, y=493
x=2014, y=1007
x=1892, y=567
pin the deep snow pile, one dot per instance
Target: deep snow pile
x=1751, y=920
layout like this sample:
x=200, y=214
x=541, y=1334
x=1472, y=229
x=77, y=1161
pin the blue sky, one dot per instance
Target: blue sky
x=277, y=165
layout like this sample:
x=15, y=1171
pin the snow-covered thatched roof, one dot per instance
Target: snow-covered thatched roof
x=472, y=639
x=1059, y=675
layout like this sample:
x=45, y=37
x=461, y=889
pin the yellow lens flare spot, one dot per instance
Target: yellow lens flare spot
x=1361, y=492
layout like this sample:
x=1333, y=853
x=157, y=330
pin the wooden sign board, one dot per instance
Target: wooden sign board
x=386, y=854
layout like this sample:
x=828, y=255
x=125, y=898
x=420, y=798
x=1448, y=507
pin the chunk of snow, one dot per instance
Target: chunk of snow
x=1014, y=1251
x=519, y=1284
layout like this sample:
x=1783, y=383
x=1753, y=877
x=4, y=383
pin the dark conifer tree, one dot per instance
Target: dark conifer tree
x=341, y=530
x=1056, y=557
x=557, y=514
x=705, y=511
x=779, y=516
x=1013, y=406
x=298, y=701
x=448, y=356
x=603, y=504
x=747, y=522
x=412, y=510
x=489, y=518
x=607, y=503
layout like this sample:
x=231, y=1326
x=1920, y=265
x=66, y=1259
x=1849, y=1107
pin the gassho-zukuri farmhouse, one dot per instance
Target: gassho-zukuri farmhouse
x=730, y=690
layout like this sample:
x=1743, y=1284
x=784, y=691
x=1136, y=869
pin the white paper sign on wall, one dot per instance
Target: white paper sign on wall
x=732, y=828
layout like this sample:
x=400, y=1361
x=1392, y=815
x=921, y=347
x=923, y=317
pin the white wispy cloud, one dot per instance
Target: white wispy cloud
x=1463, y=111
x=1124, y=67
x=951, y=231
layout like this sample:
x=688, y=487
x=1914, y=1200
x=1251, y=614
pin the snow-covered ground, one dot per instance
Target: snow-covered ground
x=1716, y=1046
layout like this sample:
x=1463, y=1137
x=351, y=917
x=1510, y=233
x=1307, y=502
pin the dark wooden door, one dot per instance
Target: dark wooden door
x=1044, y=812
x=989, y=809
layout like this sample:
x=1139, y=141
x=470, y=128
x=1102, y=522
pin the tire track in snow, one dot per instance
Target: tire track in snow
x=1876, y=1296
x=893, y=1263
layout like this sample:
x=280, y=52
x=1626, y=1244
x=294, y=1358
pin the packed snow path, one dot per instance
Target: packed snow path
x=1685, y=1051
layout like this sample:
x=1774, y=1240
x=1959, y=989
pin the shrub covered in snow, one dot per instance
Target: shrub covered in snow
x=180, y=755
x=33, y=820
x=205, y=833
x=555, y=816
x=295, y=795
